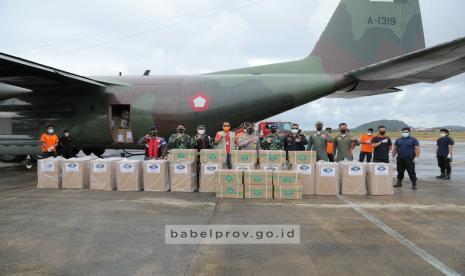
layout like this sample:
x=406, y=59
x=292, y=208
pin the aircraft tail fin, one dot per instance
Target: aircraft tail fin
x=365, y=32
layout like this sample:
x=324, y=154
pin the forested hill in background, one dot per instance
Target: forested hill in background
x=391, y=125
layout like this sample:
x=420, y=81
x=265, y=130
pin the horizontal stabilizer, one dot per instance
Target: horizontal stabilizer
x=9, y=91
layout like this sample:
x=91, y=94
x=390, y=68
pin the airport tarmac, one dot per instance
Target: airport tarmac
x=71, y=232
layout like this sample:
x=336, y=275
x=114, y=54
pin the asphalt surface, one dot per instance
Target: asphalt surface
x=79, y=232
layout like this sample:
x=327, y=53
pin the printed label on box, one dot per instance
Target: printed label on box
x=271, y=168
x=120, y=138
x=304, y=169
x=72, y=167
x=242, y=168
x=126, y=168
x=100, y=168
x=355, y=170
x=48, y=166
x=328, y=171
x=153, y=168
x=211, y=169
x=381, y=170
x=181, y=169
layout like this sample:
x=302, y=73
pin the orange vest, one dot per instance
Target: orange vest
x=366, y=147
x=49, y=141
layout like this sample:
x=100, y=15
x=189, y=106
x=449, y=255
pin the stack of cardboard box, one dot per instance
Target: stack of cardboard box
x=258, y=184
x=304, y=162
x=379, y=179
x=353, y=178
x=211, y=161
x=183, y=170
x=49, y=174
x=272, y=159
x=155, y=175
x=103, y=174
x=76, y=173
x=129, y=175
x=243, y=159
x=229, y=184
x=327, y=178
x=287, y=185
x=182, y=155
x=121, y=130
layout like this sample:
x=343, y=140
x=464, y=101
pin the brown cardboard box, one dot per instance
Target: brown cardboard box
x=49, y=173
x=258, y=177
x=155, y=175
x=353, y=178
x=282, y=178
x=76, y=173
x=244, y=156
x=229, y=184
x=183, y=176
x=327, y=178
x=258, y=191
x=307, y=172
x=207, y=176
x=103, y=174
x=182, y=155
x=272, y=156
x=129, y=175
x=243, y=167
x=128, y=136
x=288, y=192
x=302, y=157
x=380, y=179
x=212, y=156
x=120, y=135
x=271, y=167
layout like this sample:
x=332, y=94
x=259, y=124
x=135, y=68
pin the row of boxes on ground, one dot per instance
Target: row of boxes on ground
x=244, y=156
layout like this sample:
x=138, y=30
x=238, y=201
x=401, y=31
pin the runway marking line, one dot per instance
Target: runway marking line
x=423, y=254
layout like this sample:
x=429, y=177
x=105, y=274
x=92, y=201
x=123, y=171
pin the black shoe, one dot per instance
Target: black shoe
x=440, y=176
x=414, y=186
x=398, y=185
x=447, y=177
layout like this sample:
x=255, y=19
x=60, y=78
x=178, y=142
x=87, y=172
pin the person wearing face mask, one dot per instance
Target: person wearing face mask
x=248, y=140
x=295, y=141
x=272, y=141
x=444, y=148
x=49, y=142
x=155, y=146
x=407, y=151
x=330, y=146
x=202, y=140
x=343, y=144
x=66, y=146
x=226, y=140
x=318, y=142
x=367, y=147
x=382, y=145
x=180, y=140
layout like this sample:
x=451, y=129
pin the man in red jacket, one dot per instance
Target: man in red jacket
x=155, y=146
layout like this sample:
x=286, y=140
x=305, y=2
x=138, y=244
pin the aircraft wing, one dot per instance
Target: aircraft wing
x=18, y=76
x=428, y=65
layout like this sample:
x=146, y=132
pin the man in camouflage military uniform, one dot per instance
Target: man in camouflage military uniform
x=272, y=141
x=318, y=142
x=180, y=140
x=344, y=144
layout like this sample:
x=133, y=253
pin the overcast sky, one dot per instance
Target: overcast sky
x=189, y=37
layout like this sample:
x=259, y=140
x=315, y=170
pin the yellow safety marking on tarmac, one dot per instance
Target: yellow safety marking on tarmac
x=423, y=254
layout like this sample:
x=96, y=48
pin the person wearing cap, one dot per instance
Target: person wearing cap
x=318, y=142
x=330, y=146
x=248, y=140
x=226, y=140
x=155, y=146
x=272, y=141
x=66, y=145
x=367, y=148
x=344, y=144
x=49, y=142
x=180, y=140
x=295, y=141
x=202, y=140
x=407, y=151
x=444, y=148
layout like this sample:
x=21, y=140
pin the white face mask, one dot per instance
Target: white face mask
x=66, y=134
x=443, y=135
x=405, y=134
x=369, y=133
x=201, y=131
x=50, y=131
x=294, y=131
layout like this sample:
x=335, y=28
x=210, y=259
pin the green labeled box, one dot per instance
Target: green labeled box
x=287, y=178
x=212, y=156
x=258, y=177
x=288, y=192
x=302, y=157
x=272, y=156
x=229, y=184
x=244, y=156
x=258, y=191
x=182, y=155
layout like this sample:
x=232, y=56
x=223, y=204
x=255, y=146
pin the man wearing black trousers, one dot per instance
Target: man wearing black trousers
x=444, y=154
x=407, y=151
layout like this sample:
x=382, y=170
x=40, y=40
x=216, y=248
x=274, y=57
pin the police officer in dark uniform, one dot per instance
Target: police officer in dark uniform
x=382, y=145
x=295, y=141
x=444, y=154
x=407, y=150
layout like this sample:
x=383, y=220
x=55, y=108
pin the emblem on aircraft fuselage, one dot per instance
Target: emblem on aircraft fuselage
x=199, y=102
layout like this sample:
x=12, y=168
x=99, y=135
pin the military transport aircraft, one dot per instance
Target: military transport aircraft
x=369, y=47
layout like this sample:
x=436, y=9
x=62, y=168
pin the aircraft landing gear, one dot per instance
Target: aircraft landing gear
x=10, y=158
x=97, y=151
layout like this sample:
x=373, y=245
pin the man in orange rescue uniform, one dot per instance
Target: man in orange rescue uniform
x=49, y=141
x=330, y=146
x=367, y=147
